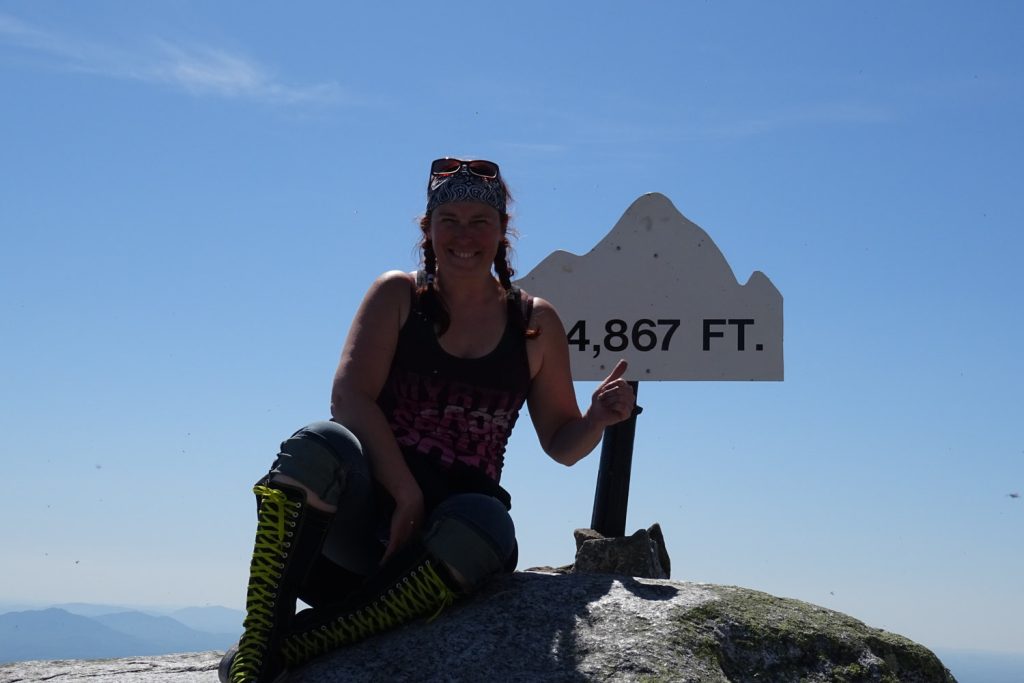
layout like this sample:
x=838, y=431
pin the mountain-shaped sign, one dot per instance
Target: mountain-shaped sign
x=657, y=291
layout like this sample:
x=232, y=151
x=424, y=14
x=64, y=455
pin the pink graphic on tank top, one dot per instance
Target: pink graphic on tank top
x=453, y=422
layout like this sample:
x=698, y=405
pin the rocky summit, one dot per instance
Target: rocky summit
x=534, y=626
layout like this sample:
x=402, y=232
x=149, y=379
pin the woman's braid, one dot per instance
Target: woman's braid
x=430, y=300
x=501, y=265
x=429, y=262
x=505, y=272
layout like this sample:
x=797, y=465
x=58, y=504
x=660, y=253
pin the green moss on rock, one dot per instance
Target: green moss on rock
x=753, y=636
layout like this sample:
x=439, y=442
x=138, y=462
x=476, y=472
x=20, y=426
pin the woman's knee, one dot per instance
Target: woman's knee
x=326, y=458
x=474, y=535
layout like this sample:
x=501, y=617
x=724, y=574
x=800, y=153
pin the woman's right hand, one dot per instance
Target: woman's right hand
x=406, y=521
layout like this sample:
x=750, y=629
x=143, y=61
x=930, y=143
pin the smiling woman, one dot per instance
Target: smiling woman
x=394, y=508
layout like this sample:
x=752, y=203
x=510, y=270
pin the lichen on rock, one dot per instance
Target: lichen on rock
x=754, y=636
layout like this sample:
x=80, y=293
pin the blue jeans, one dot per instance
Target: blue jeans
x=473, y=533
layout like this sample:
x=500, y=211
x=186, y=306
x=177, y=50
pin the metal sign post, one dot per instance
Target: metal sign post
x=612, y=494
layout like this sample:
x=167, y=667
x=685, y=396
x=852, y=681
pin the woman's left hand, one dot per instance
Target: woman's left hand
x=406, y=521
x=613, y=400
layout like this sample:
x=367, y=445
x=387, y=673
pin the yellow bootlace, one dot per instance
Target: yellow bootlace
x=417, y=594
x=275, y=522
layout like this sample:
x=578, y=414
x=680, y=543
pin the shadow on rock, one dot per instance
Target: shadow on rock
x=522, y=627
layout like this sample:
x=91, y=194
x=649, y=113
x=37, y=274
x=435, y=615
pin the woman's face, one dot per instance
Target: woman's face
x=466, y=236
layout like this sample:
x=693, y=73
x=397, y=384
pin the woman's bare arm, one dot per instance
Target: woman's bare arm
x=564, y=433
x=362, y=371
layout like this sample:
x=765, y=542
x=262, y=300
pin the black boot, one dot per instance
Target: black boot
x=289, y=536
x=413, y=584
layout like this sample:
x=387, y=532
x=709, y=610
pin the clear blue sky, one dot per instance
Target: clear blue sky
x=195, y=196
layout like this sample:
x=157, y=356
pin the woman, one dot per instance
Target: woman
x=393, y=509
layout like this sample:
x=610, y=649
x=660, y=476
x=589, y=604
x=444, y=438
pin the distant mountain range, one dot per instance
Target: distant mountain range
x=91, y=632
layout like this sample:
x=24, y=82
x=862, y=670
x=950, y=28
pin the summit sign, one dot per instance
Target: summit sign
x=657, y=291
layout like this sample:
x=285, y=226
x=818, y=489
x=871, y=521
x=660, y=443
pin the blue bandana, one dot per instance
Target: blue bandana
x=465, y=187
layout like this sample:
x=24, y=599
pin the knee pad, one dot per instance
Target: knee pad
x=473, y=537
x=328, y=459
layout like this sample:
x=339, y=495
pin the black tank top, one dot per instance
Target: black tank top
x=452, y=416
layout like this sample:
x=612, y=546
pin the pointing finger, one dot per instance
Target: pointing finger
x=618, y=371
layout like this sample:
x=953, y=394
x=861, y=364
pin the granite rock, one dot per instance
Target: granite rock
x=641, y=555
x=198, y=667
x=578, y=627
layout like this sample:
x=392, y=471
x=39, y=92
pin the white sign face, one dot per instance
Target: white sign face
x=658, y=292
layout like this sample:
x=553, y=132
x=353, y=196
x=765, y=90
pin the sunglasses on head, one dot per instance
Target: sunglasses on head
x=478, y=167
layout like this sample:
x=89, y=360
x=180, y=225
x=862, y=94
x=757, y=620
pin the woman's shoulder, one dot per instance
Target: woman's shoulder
x=397, y=277
x=547, y=337
x=542, y=311
x=538, y=302
x=393, y=283
x=392, y=290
